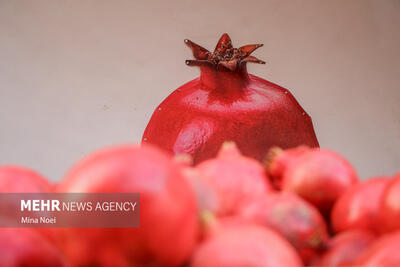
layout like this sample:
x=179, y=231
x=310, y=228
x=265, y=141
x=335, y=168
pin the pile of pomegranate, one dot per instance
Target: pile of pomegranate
x=301, y=207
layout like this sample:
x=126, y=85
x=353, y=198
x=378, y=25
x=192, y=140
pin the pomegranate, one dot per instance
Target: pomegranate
x=359, y=207
x=346, y=247
x=278, y=161
x=390, y=206
x=296, y=220
x=16, y=179
x=27, y=248
x=383, y=252
x=237, y=180
x=320, y=177
x=245, y=245
x=168, y=212
x=227, y=104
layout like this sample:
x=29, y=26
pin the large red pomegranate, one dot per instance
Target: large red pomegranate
x=242, y=245
x=320, y=177
x=384, y=252
x=295, y=219
x=359, y=207
x=346, y=247
x=24, y=247
x=168, y=212
x=390, y=206
x=227, y=104
x=236, y=179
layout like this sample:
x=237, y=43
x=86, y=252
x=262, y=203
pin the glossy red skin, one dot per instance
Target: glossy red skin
x=320, y=177
x=245, y=245
x=229, y=106
x=296, y=220
x=279, y=163
x=25, y=247
x=346, y=247
x=237, y=180
x=168, y=212
x=390, y=206
x=383, y=252
x=359, y=207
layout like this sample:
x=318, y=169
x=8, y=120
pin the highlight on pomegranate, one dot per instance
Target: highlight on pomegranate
x=104, y=164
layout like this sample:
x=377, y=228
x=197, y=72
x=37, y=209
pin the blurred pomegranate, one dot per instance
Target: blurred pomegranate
x=237, y=180
x=245, y=245
x=24, y=247
x=384, y=252
x=168, y=212
x=320, y=177
x=359, y=207
x=346, y=247
x=278, y=161
x=16, y=179
x=296, y=220
x=390, y=206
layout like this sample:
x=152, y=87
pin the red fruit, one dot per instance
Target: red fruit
x=168, y=213
x=237, y=180
x=15, y=179
x=320, y=177
x=206, y=196
x=27, y=248
x=228, y=104
x=346, y=247
x=359, y=207
x=384, y=252
x=278, y=161
x=245, y=245
x=390, y=206
x=296, y=220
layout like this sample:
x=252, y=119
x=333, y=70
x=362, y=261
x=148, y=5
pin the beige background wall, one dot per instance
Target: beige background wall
x=79, y=75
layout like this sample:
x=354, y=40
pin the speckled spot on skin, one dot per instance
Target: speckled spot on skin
x=193, y=136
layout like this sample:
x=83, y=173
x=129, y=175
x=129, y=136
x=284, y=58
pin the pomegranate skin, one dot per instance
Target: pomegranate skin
x=383, y=252
x=236, y=180
x=320, y=177
x=228, y=105
x=346, y=247
x=389, y=206
x=295, y=219
x=168, y=212
x=359, y=207
x=26, y=247
x=279, y=160
x=245, y=245
x=16, y=179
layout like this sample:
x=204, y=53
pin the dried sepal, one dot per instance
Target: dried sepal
x=253, y=60
x=198, y=62
x=248, y=49
x=198, y=51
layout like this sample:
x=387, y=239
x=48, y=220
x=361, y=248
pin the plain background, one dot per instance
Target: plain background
x=79, y=75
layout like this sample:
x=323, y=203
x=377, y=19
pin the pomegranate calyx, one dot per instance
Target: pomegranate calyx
x=225, y=56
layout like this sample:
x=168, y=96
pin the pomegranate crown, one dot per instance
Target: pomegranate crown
x=224, y=57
